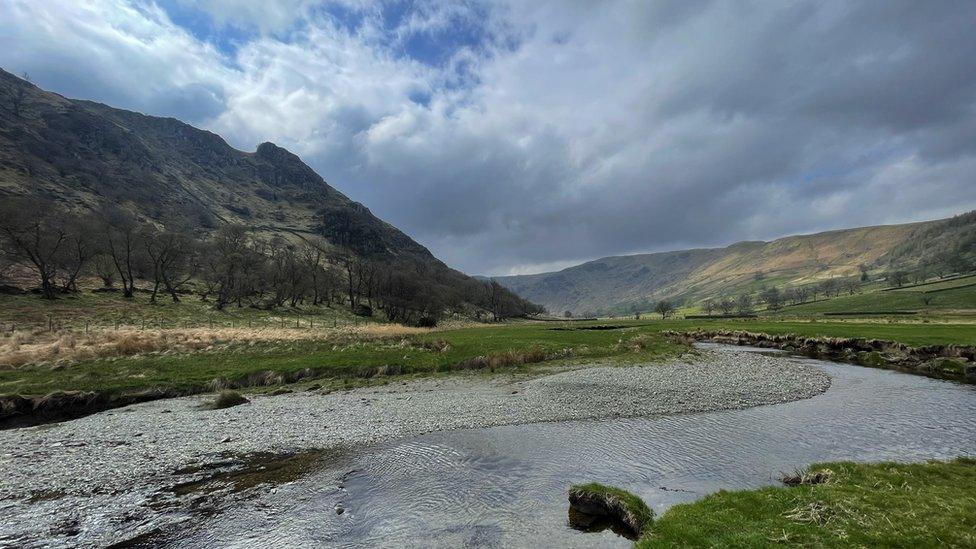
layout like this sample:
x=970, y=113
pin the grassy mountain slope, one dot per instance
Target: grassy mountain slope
x=617, y=283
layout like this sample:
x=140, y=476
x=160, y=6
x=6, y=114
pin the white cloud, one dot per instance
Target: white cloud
x=559, y=131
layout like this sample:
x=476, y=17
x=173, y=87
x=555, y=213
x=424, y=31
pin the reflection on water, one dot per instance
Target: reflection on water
x=506, y=486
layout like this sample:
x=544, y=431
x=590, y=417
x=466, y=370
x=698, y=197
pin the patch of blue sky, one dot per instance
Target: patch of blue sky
x=226, y=38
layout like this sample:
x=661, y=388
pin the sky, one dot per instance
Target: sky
x=514, y=137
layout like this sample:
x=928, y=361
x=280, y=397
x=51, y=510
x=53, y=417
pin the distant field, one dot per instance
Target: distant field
x=938, y=285
x=901, y=300
x=910, y=333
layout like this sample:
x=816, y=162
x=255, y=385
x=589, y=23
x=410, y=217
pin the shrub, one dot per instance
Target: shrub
x=427, y=322
x=227, y=399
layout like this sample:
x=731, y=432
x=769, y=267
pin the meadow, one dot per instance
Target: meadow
x=848, y=505
x=102, y=342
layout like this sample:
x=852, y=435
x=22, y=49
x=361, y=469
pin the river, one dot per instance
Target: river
x=506, y=486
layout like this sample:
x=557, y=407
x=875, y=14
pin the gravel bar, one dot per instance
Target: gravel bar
x=97, y=480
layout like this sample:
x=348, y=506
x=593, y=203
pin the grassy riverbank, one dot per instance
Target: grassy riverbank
x=861, y=505
x=328, y=354
x=103, y=343
x=908, y=332
x=190, y=359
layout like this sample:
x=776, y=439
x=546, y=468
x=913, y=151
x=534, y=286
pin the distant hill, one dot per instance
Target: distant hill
x=84, y=155
x=614, y=284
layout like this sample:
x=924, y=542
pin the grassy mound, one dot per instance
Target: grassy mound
x=227, y=399
x=619, y=506
x=862, y=505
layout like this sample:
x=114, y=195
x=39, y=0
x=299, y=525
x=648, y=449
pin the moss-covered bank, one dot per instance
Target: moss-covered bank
x=849, y=505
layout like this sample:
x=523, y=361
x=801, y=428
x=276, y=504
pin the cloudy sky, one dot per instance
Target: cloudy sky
x=514, y=137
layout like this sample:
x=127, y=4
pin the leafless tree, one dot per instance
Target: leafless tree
x=744, y=304
x=898, y=278
x=35, y=236
x=772, y=297
x=664, y=308
x=119, y=240
x=171, y=257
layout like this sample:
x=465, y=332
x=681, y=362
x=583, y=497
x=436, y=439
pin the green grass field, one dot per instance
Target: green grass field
x=343, y=356
x=909, y=333
x=899, y=300
x=862, y=505
x=936, y=285
x=333, y=355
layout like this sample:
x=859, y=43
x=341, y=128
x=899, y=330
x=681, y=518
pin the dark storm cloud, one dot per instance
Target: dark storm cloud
x=526, y=135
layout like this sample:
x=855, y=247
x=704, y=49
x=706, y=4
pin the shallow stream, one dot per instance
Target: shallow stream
x=506, y=486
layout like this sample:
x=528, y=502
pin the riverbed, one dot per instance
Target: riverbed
x=465, y=460
x=506, y=486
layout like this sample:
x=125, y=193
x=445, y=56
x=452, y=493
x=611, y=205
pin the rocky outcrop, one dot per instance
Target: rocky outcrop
x=956, y=362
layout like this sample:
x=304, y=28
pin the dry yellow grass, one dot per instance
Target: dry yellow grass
x=32, y=347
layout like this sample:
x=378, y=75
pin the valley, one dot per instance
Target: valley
x=242, y=248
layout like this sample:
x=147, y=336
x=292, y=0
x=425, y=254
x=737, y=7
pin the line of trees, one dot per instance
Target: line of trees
x=235, y=268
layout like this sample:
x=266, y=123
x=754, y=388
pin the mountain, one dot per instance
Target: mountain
x=83, y=155
x=614, y=284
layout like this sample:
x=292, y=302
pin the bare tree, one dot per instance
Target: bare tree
x=864, y=272
x=744, y=304
x=708, y=306
x=772, y=297
x=803, y=294
x=35, y=236
x=493, y=298
x=727, y=305
x=171, y=256
x=664, y=308
x=898, y=278
x=829, y=287
x=119, y=236
x=314, y=260
x=104, y=268
x=79, y=248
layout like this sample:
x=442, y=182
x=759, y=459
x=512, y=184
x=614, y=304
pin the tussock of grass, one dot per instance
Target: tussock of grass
x=863, y=505
x=618, y=505
x=227, y=399
x=798, y=477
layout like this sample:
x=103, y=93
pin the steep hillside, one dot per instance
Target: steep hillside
x=618, y=283
x=83, y=156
